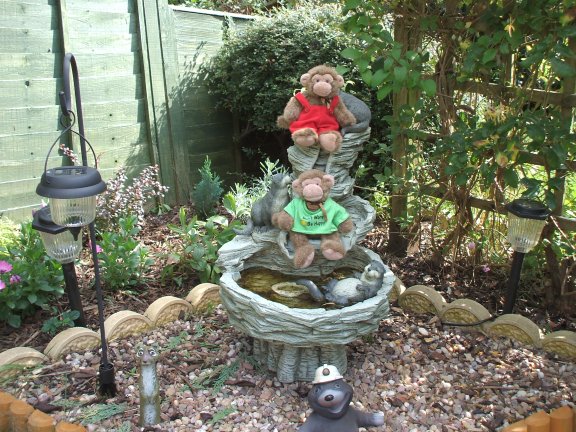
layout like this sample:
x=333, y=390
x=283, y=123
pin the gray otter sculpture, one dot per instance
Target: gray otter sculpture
x=350, y=290
x=360, y=110
x=330, y=399
x=274, y=201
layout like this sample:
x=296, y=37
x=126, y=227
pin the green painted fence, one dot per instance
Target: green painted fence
x=143, y=98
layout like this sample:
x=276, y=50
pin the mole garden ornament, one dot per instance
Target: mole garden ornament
x=330, y=399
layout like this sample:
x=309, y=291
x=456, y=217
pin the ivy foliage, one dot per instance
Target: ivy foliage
x=485, y=140
x=258, y=68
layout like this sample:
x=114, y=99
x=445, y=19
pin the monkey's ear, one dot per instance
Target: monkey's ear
x=340, y=80
x=296, y=184
x=328, y=180
x=305, y=79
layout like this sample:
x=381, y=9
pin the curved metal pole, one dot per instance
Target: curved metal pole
x=66, y=101
x=107, y=386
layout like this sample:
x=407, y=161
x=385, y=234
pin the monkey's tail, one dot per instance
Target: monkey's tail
x=312, y=289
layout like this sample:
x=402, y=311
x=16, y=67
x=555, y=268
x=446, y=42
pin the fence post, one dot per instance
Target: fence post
x=160, y=69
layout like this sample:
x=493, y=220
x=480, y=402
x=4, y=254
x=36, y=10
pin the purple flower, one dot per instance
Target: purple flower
x=471, y=246
x=14, y=279
x=5, y=267
x=2, y=285
x=485, y=268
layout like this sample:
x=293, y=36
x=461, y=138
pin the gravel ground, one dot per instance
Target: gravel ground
x=423, y=377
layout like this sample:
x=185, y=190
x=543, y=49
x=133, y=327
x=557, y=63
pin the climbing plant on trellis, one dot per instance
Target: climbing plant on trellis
x=483, y=97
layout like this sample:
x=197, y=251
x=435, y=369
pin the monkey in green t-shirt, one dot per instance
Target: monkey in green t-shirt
x=312, y=213
x=323, y=220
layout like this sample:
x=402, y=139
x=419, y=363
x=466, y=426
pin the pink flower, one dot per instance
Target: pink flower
x=471, y=246
x=98, y=247
x=485, y=268
x=5, y=267
x=14, y=279
x=2, y=285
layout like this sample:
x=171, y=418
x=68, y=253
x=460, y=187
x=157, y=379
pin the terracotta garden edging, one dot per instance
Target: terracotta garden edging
x=416, y=299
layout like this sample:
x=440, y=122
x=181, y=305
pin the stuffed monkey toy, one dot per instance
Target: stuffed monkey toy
x=313, y=214
x=316, y=114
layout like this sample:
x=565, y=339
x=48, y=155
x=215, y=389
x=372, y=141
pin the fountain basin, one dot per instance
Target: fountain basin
x=293, y=342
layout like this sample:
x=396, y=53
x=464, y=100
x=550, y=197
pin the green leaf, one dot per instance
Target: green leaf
x=14, y=320
x=351, y=4
x=400, y=73
x=378, y=77
x=562, y=69
x=367, y=77
x=428, y=86
x=489, y=55
x=32, y=298
x=383, y=92
x=351, y=53
x=511, y=177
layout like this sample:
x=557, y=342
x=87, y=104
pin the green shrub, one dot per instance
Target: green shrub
x=206, y=194
x=256, y=71
x=197, y=248
x=123, y=259
x=29, y=279
x=60, y=322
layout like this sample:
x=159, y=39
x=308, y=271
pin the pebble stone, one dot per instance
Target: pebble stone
x=423, y=377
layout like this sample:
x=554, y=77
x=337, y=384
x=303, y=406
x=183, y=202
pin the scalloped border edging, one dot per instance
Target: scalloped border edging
x=423, y=299
x=416, y=299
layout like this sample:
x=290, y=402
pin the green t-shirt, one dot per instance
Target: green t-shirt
x=313, y=222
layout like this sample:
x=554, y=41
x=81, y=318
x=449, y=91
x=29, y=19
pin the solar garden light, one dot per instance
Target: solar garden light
x=64, y=245
x=72, y=192
x=526, y=220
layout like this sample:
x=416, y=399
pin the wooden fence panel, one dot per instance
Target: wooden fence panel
x=203, y=131
x=143, y=99
x=113, y=96
x=29, y=49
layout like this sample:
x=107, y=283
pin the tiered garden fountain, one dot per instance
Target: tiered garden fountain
x=293, y=337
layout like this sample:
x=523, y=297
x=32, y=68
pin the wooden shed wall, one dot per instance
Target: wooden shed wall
x=143, y=100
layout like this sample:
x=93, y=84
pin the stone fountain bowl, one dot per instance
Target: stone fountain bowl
x=293, y=342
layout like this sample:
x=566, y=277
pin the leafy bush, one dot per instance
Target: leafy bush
x=29, y=279
x=206, y=194
x=123, y=259
x=197, y=248
x=256, y=71
x=122, y=198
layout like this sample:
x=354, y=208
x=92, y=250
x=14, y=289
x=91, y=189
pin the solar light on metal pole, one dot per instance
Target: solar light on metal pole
x=72, y=191
x=526, y=220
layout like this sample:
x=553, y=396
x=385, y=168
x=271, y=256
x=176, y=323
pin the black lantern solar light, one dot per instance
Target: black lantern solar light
x=526, y=220
x=72, y=192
